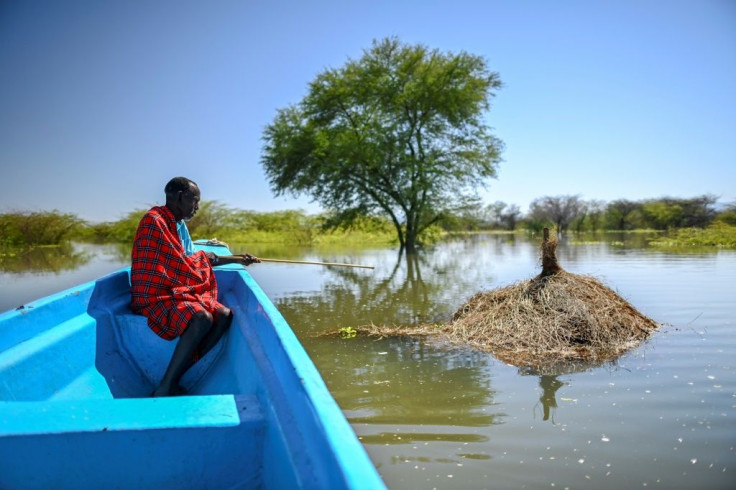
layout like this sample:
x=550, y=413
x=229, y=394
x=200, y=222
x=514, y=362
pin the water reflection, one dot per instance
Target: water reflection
x=549, y=385
x=408, y=381
x=43, y=259
x=30, y=275
x=407, y=393
x=432, y=405
x=411, y=290
x=549, y=380
x=615, y=240
x=120, y=251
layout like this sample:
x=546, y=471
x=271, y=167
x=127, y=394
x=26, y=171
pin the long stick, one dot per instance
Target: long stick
x=315, y=263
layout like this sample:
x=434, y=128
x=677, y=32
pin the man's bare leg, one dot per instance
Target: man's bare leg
x=199, y=326
x=223, y=317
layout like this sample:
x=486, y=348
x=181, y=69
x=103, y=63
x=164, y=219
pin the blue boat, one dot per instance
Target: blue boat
x=76, y=369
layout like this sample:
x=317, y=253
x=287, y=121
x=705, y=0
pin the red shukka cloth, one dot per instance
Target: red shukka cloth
x=167, y=286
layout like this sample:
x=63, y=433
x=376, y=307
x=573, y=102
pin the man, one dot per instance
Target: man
x=176, y=289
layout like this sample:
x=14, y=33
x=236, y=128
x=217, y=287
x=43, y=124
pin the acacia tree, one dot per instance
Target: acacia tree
x=668, y=212
x=400, y=131
x=560, y=210
x=621, y=213
x=504, y=215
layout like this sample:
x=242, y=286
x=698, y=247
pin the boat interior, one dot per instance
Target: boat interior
x=77, y=370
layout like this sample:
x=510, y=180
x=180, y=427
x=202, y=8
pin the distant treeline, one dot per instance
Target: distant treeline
x=683, y=217
x=571, y=213
x=214, y=220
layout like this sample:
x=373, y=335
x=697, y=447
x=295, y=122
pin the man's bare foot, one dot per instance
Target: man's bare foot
x=176, y=390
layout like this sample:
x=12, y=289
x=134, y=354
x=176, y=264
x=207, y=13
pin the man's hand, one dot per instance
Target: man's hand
x=245, y=259
x=242, y=259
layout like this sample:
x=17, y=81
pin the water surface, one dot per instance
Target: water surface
x=436, y=416
x=441, y=417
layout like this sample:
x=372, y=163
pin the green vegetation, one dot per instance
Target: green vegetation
x=20, y=231
x=291, y=227
x=42, y=259
x=719, y=234
x=653, y=214
x=33, y=229
x=119, y=231
x=215, y=220
x=399, y=133
x=572, y=213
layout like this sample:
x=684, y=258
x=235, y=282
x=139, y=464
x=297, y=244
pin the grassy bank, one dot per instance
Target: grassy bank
x=27, y=230
x=718, y=235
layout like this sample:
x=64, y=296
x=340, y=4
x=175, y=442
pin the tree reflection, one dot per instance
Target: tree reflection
x=407, y=382
x=43, y=259
x=549, y=385
x=351, y=297
x=398, y=380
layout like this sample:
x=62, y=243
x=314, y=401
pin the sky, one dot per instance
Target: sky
x=102, y=102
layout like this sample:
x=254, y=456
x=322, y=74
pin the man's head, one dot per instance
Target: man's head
x=182, y=197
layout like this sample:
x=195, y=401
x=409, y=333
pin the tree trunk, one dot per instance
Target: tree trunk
x=400, y=234
x=411, y=241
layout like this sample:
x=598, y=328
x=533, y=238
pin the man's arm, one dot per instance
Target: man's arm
x=242, y=259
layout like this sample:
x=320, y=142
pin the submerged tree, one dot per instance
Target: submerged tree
x=560, y=210
x=621, y=214
x=400, y=132
x=669, y=212
x=504, y=216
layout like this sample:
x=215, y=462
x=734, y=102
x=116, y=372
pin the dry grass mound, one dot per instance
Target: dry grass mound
x=548, y=318
x=553, y=319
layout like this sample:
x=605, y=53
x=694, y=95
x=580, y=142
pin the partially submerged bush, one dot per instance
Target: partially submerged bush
x=718, y=235
x=28, y=229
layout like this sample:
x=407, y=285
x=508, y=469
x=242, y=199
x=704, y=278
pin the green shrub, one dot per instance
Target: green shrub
x=718, y=234
x=29, y=229
x=122, y=230
x=728, y=217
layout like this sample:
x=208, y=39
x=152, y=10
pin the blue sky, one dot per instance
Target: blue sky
x=102, y=102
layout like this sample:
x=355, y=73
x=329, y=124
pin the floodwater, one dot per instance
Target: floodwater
x=434, y=416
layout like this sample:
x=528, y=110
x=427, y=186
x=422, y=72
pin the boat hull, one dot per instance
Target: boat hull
x=76, y=370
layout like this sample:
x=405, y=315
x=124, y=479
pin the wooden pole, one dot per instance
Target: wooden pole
x=315, y=263
x=549, y=257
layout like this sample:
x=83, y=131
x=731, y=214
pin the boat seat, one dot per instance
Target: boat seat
x=71, y=441
x=59, y=361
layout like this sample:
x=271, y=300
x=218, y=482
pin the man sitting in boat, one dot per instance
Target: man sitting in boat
x=174, y=286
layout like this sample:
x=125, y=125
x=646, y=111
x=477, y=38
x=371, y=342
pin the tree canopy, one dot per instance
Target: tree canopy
x=560, y=210
x=400, y=132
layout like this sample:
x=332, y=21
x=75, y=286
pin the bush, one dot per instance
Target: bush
x=727, y=217
x=28, y=229
x=122, y=230
x=718, y=234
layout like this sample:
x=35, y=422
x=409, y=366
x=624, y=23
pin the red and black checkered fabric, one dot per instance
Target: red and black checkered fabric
x=167, y=286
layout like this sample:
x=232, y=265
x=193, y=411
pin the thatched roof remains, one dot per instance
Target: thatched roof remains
x=554, y=317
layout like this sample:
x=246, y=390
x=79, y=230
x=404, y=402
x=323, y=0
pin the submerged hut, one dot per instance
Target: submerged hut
x=554, y=319
x=554, y=316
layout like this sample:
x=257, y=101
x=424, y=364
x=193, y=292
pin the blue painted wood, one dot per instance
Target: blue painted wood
x=76, y=369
